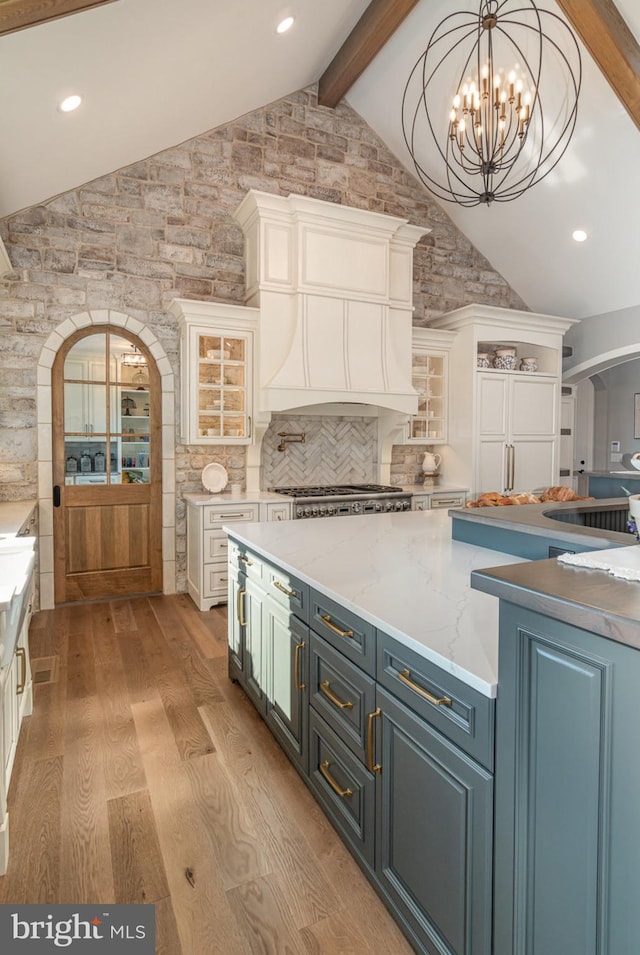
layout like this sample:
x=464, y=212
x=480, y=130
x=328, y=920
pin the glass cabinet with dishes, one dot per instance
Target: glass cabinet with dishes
x=217, y=371
x=429, y=377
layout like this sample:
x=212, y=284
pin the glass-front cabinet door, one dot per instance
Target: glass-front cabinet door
x=430, y=379
x=106, y=412
x=216, y=371
x=223, y=386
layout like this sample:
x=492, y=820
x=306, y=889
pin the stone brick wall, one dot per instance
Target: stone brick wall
x=138, y=237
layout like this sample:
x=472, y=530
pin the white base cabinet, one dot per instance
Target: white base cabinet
x=16, y=702
x=207, y=547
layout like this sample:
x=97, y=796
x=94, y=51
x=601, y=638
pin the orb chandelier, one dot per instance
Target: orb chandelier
x=496, y=93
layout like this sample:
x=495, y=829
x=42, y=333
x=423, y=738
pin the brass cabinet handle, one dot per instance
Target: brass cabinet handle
x=405, y=676
x=296, y=664
x=240, y=607
x=245, y=560
x=22, y=654
x=371, y=765
x=341, y=704
x=341, y=633
x=282, y=589
x=324, y=769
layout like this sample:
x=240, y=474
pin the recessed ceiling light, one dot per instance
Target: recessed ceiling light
x=70, y=103
x=579, y=235
x=284, y=25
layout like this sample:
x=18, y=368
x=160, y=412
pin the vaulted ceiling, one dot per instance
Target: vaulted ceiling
x=154, y=73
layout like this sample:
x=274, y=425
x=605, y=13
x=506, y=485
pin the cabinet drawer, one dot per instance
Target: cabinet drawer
x=216, y=577
x=240, y=559
x=344, y=630
x=216, y=546
x=342, y=693
x=215, y=515
x=469, y=719
x=447, y=500
x=343, y=787
x=287, y=591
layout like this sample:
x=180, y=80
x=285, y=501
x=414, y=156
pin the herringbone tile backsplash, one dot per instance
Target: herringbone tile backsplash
x=337, y=450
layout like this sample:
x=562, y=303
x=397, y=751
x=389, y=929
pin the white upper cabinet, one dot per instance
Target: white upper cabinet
x=217, y=388
x=430, y=378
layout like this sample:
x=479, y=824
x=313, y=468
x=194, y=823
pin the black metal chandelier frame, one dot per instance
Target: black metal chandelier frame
x=494, y=146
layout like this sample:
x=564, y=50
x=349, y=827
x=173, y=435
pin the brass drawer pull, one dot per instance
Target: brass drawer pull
x=324, y=769
x=341, y=633
x=330, y=695
x=405, y=677
x=22, y=654
x=282, y=589
x=296, y=663
x=240, y=608
x=232, y=516
x=371, y=765
x=245, y=560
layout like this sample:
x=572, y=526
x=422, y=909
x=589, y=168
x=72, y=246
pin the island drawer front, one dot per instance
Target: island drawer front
x=344, y=630
x=341, y=693
x=287, y=591
x=343, y=787
x=216, y=546
x=468, y=721
x=216, y=515
x=247, y=562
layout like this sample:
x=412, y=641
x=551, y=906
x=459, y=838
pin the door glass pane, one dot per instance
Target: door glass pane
x=86, y=359
x=106, y=412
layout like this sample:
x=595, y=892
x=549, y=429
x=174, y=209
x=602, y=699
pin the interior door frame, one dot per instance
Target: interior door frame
x=154, y=487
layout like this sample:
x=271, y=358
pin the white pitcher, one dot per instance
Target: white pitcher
x=430, y=462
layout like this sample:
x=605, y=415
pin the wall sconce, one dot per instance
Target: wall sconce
x=288, y=437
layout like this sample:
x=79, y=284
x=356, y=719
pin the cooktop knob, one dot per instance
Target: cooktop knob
x=322, y=511
x=356, y=507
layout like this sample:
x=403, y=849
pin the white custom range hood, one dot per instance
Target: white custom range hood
x=333, y=285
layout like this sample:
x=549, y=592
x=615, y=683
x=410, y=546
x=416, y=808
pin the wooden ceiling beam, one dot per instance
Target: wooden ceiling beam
x=20, y=14
x=378, y=22
x=612, y=45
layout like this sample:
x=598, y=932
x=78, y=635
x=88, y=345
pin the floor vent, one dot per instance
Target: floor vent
x=44, y=669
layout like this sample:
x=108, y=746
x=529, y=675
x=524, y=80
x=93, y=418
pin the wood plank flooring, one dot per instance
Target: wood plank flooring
x=145, y=775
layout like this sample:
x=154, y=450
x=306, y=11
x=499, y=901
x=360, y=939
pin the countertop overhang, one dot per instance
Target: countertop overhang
x=402, y=573
x=535, y=519
x=590, y=599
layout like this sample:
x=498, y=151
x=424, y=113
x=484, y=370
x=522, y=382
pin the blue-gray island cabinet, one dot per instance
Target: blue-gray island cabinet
x=362, y=644
x=567, y=838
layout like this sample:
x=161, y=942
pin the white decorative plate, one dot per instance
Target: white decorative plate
x=214, y=478
x=635, y=461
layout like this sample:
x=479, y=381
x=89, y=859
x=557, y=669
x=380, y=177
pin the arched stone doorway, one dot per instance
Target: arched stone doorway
x=44, y=412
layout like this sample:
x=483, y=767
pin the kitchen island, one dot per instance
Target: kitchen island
x=567, y=837
x=537, y=531
x=374, y=664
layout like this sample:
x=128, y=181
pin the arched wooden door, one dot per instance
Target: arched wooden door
x=107, y=467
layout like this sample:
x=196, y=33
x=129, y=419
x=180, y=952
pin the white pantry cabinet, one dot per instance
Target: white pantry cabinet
x=503, y=425
x=217, y=369
x=518, y=431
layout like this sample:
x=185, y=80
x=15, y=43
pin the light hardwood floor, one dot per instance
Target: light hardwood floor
x=145, y=775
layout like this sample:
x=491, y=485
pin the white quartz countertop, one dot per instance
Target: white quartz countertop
x=13, y=514
x=226, y=497
x=401, y=572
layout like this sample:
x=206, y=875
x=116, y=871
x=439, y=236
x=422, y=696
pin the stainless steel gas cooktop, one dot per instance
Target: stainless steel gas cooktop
x=334, y=500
